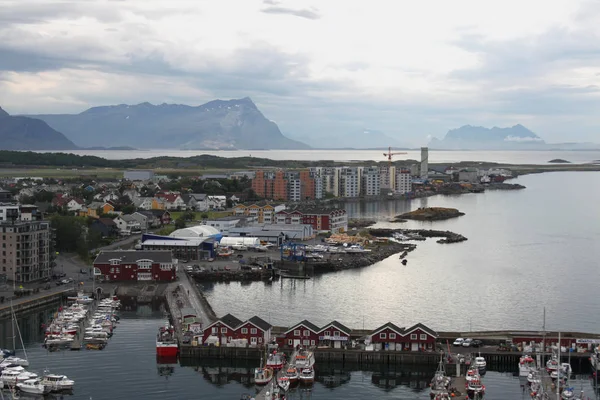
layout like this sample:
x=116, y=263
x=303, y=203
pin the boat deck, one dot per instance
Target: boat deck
x=262, y=395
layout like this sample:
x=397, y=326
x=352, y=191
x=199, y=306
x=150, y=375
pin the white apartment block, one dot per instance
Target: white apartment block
x=403, y=181
x=387, y=178
x=370, y=181
x=350, y=181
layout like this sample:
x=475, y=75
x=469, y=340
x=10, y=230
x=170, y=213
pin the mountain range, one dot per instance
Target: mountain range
x=23, y=133
x=469, y=137
x=219, y=124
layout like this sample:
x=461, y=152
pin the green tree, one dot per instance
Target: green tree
x=180, y=223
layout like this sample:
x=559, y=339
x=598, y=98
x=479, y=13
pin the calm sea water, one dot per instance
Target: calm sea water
x=435, y=156
x=527, y=250
x=127, y=369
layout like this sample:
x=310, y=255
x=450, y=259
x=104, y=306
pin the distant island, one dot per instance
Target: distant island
x=470, y=137
x=117, y=148
x=431, y=214
x=559, y=161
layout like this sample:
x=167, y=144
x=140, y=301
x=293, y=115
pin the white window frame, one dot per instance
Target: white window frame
x=253, y=340
x=244, y=331
x=413, y=336
x=215, y=329
x=336, y=334
x=223, y=330
x=423, y=336
x=383, y=335
x=392, y=335
x=312, y=342
x=297, y=332
x=306, y=332
x=253, y=331
x=290, y=342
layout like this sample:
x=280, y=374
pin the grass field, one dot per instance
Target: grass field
x=98, y=172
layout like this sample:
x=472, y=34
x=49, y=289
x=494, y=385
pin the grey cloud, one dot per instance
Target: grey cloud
x=35, y=13
x=302, y=13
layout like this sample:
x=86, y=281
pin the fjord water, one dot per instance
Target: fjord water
x=127, y=370
x=435, y=156
x=527, y=249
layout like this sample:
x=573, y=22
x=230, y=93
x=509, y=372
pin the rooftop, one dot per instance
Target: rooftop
x=132, y=256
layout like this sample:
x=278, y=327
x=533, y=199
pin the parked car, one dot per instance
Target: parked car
x=458, y=342
x=476, y=343
x=58, y=283
x=83, y=271
x=467, y=342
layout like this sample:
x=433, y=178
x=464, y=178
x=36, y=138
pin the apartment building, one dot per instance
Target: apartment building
x=371, y=181
x=403, y=183
x=25, y=247
x=387, y=178
x=287, y=185
x=350, y=181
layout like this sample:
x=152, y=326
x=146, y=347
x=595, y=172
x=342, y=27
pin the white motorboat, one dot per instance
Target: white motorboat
x=284, y=383
x=472, y=374
x=534, y=377
x=304, y=359
x=58, y=339
x=33, y=386
x=356, y=249
x=9, y=375
x=262, y=376
x=567, y=393
x=526, y=365
x=57, y=383
x=480, y=363
x=440, y=382
x=475, y=387
x=307, y=375
x=14, y=360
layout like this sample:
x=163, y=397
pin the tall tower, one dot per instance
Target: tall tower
x=424, y=162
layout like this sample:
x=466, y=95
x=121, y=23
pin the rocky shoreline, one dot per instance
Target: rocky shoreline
x=430, y=214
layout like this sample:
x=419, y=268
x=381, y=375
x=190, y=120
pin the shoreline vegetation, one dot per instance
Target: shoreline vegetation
x=66, y=164
x=430, y=214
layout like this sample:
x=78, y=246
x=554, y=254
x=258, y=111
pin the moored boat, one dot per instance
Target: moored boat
x=440, y=382
x=284, y=383
x=166, y=342
x=292, y=374
x=56, y=382
x=526, y=365
x=275, y=360
x=307, y=375
x=475, y=389
x=262, y=376
x=33, y=386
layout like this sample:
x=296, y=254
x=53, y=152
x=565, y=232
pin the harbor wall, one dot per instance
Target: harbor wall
x=22, y=305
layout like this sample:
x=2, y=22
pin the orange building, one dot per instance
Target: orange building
x=282, y=185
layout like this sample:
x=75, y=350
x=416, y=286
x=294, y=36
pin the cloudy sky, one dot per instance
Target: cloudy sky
x=408, y=68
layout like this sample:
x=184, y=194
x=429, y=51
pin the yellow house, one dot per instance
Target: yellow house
x=240, y=209
x=158, y=204
x=107, y=208
x=88, y=212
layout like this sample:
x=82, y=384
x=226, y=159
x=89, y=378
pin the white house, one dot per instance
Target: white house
x=174, y=202
x=131, y=193
x=143, y=203
x=74, y=205
x=215, y=202
x=128, y=224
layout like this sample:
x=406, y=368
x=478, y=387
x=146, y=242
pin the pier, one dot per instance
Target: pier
x=270, y=386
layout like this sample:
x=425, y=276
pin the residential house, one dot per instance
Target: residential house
x=89, y=188
x=263, y=211
x=334, y=220
x=26, y=192
x=163, y=216
x=173, y=201
x=91, y=210
x=105, y=226
x=143, y=203
x=157, y=204
x=222, y=330
x=107, y=208
x=144, y=220
x=304, y=333
x=216, y=202
x=391, y=337
x=107, y=196
x=132, y=265
x=195, y=201
x=127, y=224
x=334, y=334
x=132, y=194
x=70, y=203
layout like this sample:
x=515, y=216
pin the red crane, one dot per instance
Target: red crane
x=389, y=155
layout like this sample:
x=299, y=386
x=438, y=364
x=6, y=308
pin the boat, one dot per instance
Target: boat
x=356, y=249
x=440, y=382
x=224, y=252
x=33, y=386
x=480, y=363
x=56, y=382
x=307, y=375
x=95, y=346
x=526, y=365
x=14, y=360
x=472, y=374
x=275, y=360
x=284, y=383
x=304, y=359
x=534, y=377
x=568, y=393
x=58, y=340
x=262, y=376
x=292, y=374
x=9, y=375
x=166, y=342
x=475, y=388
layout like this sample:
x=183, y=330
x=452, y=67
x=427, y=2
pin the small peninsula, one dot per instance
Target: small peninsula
x=431, y=214
x=559, y=161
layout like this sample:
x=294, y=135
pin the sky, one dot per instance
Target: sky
x=411, y=69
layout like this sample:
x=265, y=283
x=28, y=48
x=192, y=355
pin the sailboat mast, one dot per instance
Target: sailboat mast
x=20, y=337
x=558, y=370
x=13, y=326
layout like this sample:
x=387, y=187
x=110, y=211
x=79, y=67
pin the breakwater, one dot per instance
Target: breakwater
x=416, y=234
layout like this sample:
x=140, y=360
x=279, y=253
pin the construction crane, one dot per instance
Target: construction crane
x=389, y=155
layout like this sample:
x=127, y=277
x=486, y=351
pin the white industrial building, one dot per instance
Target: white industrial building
x=138, y=175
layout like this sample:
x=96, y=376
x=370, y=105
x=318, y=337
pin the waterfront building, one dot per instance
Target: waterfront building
x=225, y=224
x=391, y=337
x=332, y=220
x=331, y=180
x=275, y=233
x=25, y=246
x=255, y=331
x=263, y=211
x=131, y=265
x=304, y=333
x=221, y=331
x=350, y=181
x=424, y=162
x=403, y=181
x=470, y=175
x=188, y=249
x=371, y=181
x=387, y=178
x=334, y=334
